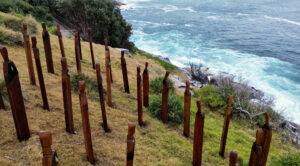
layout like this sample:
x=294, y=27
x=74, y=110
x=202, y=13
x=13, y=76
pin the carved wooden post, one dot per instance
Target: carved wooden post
x=49, y=156
x=78, y=39
x=36, y=53
x=233, y=158
x=77, y=56
x=198, y=136
x=130, y=143
x=187, y=110
x=101, y=97
x=67, y=96
x=257, y=149
x=165, y=94
x=91, y=47
x=108, y=80
x=2, y=106
x=146, y=85
x=86, y=123
x=61, y=44
x=267, y=128
x=28, y=54
x=225, y=128
x=139, y=96
x=13, y=87
x=107, y=49
x=124, y=72
x=47, y=48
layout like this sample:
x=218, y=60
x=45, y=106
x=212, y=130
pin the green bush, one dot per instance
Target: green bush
x=10, y=37
x=52, y=30
x=289, y=159
x=16, y=6
x=157, y=83
x=209, y=96
x=174, y=112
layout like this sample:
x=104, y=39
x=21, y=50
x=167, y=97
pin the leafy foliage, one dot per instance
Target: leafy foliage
x=157, y=83
x=10, y=37
x=210, y=97
x=289, y=159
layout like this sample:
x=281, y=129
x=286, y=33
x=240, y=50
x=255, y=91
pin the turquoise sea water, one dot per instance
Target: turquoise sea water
x=258, y=40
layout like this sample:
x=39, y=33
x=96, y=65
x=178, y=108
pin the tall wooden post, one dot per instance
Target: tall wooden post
x=139, y=96
x=198, y=136
x=107, y=49
x=77, y=56
x=257, y=149
x=91, y=47
x=36, y=53
x=28, y=54
x=225, y=128
x=146, y=86
x=49, y=156
x=233, y=158
x=187, y=109
x=47, y=48
x=67, y=96
x=86, y=123
x=130, y=143
x=78, y=39
x=61, y=44
x=124, y=72
x=13, y=87
x=108, y=80
x=2, y=105
x=165, y=94
x=101, y=97
x=267, y=128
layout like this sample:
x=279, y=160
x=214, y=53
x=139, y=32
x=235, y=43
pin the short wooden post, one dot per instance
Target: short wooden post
x=61, y=44
x=47, y=48
x=108, y=80
x=101, y=97
x=233, y=158
x=124, y=72
x=107, y=49
x=130, y=143
x=2, y=105
x=77, y=56
x=36, y=53
x=86, y=123
x=165, y=94
x=91, y=47
x=146, y=85
x=267, y=128
x=49, y=156
x=198, y=136
x=78, y=39
x=187, y=109
x=67, y=96
x=257, y=149
x=28, y=54
x=225, y=128
x=139, y=96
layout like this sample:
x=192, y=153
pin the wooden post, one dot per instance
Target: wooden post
x=2, y=105
x=77, y=56
x=124, y=72
x=61, y=44
x=86, y=123
x=78, y=39
x=101, y=97
x=91, y=47
x=233, y=158
x=257, y=149
x=47, y=48
x=28, y=54
x=49, y=156
x=187, y=109
x=165, y=94
x=198, y=136
x=13, y=87
x=139, y=96
x=225, y=128
x=36, y=53
x=67, y=96
x=130, y=143
x=146, y=85
x=108, y=80
x=267, y=128
x=107, y=49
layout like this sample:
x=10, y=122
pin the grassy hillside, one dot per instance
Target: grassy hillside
x=158, y=144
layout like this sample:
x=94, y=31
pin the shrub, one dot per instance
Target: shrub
x=32, y=24
x=16, y=6
x=52, y=30
x=289, y=159
x=210, y=97
x=157, y=83
x=10, y=37
x=174, y=111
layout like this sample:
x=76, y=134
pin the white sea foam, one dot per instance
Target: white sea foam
x=283, y=20
x=172, y=8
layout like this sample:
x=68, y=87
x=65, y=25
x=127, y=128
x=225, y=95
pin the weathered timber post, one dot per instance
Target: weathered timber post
x=101, y=97
x=225, y=128
x=47, y=48
x=67, y=96
x=198, y=136
x=2, y=105
x=146, y=86
x=139, y=96
x=108, y=80
x=187, y=109
x=61, y=44
x=78, y=39
x=257, y=149
x=77, y=56
x=165, y=94
x=124, y=72
x=130, y=143
x=49, y=156
x=13, y=87
x=107, y=49
x=86, y=123
x=233, y=158
x=267, y=128
x=36, y=53
x=91, y=47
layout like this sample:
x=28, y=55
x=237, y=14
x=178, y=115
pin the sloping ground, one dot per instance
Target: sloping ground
x=158, y=144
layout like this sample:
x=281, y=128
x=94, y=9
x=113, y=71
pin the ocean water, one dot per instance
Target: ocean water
x=258, y=40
